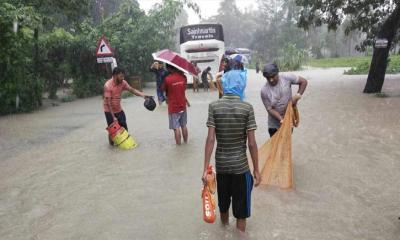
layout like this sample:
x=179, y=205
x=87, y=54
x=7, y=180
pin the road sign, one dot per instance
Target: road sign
x=105, y=60
x=104, y=48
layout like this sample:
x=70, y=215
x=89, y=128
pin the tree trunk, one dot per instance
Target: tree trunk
x=377, y=70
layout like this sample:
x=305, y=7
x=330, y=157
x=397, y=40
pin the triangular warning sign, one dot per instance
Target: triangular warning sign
x=103, y=48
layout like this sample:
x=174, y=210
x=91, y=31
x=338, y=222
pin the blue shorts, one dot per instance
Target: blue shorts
x=177, y=120
x=236, y=188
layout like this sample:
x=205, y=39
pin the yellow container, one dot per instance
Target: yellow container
x=120, y=136
x=128, y=143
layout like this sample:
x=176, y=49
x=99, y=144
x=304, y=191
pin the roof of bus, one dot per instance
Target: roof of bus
x=201, y=24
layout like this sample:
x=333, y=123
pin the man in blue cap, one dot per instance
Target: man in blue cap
x=232, y=123
x=277, y=93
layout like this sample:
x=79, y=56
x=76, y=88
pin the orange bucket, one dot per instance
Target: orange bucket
x=113, y=128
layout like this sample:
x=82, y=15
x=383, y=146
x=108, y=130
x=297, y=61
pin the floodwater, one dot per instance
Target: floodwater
x=59, y=178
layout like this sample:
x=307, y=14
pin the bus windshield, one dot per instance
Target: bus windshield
x=203, y=44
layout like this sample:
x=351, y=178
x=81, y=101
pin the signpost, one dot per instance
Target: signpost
x=105, y=53
x=105, y=60
x=103, y=48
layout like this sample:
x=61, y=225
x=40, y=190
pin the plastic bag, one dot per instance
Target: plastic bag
x=207, y=195
x=234, y=82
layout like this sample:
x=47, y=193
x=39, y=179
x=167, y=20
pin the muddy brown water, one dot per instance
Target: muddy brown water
x=59, y=179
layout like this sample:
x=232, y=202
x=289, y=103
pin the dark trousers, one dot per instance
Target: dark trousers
x=121, y=120
x=272, y=131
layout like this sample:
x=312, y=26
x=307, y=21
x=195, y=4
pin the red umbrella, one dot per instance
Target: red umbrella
x=174, y=59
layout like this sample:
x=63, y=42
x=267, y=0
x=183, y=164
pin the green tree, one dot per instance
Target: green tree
x=21, y=85
x=378, y=19
x=56, y=40
x=18, y=91
x=238, y=26
x=276, y=27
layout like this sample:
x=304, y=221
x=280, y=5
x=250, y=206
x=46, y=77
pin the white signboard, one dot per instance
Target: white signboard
x=105, y=60
x=381, y=43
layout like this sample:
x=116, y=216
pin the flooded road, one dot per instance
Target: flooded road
x=59, y=179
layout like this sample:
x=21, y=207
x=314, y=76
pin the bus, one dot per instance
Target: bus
x=203, y=44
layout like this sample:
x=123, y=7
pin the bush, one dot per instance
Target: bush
x=363, y=67
x=87, y=86
x=394, y=65
x=292, y=58
x=68, y=98
x=29, y=93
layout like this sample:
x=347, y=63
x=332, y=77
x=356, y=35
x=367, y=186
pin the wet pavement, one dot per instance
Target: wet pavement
x=59, y=179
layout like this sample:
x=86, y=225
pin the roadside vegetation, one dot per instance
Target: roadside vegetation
x=357, y=65
x=48, y=45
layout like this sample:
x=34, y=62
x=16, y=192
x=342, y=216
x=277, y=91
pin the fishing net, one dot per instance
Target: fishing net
x=277, y=153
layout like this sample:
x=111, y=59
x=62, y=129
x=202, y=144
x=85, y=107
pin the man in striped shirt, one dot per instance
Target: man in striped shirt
x=113, y=89
x=232, y=123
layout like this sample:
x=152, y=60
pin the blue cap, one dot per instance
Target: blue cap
x=239, y=58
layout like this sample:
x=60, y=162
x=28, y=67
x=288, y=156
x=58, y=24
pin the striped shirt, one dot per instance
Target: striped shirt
x=231, y=118
x=113, y=91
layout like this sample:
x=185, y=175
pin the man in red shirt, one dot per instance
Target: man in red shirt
x=175, y=87
x=113, y=89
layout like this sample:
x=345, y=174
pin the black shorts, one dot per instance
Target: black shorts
x=272, y=131
x=120, y=117
x=235, y=187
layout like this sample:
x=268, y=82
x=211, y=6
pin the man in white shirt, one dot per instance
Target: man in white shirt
x=277, y=93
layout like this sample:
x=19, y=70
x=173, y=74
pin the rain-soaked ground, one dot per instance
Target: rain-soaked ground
x=59, y=179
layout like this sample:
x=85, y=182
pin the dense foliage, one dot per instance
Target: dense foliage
x=47, y=44
x=377, y=19
x=272, y=27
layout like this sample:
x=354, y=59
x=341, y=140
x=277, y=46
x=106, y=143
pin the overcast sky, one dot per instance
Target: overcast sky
x=208, y=8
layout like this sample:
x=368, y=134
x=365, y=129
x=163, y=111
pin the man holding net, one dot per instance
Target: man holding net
x=277, y=93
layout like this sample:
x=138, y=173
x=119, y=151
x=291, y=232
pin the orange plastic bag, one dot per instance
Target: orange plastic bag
x=207, y=196
x=277, y=153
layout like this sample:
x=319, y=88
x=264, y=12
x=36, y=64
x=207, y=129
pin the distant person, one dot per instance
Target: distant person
x=277, y=93
x=232, y=124
x=196, y=81
x=218, y=77
x=175, y=87
x=113, y=89
x=204, y=78
x=160, y=73
x=257, y=67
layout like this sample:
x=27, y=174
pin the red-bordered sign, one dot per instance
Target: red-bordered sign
x=103, y=48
